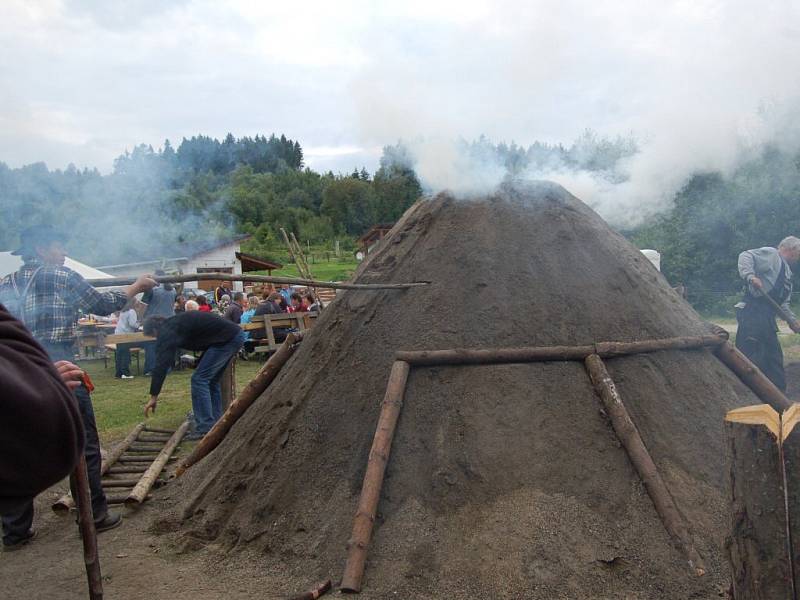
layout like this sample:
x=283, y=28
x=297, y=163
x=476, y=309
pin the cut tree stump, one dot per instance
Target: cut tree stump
x=760, y=546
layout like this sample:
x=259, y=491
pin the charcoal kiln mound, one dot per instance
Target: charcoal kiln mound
x=505, y=481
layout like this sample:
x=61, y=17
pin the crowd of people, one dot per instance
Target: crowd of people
x=47, y=423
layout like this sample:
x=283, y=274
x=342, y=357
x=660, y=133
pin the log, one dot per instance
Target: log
x=125, y=483
x=118, y=281
x=752, y=376
x=640, y=457
x=121, y=498
x=91, y=559
x=465, y=356
x=157, y=430
x=123, y=470
x=65, y=503
x=759, y=547
x=373, y=478
x=317, y=592
x=139, y=493
x=265, y=376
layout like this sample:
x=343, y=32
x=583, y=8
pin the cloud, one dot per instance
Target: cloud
x=701, y=83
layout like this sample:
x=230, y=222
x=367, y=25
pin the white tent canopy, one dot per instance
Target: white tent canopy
x=10, y=263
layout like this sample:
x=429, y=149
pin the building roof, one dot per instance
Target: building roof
x=251, y=262
x=10, y=263
x=183, y=252
x=375, y=232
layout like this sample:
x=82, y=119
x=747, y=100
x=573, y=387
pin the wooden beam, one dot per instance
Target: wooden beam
x=752, y=376
x=119, y=281
x=465, y=356
x=640, y=457
x=373, y=478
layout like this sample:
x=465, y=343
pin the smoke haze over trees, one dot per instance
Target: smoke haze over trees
x=206, y=189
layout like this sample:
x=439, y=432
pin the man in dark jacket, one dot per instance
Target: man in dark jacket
x=235, y=310
x=767, y=272
x=46, y=296
x=41, y=434
x=219, y=339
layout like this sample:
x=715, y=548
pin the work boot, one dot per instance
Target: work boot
x=20, y=543
x=110, y=521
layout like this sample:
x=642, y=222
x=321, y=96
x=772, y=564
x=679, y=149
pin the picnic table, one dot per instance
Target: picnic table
x=268, y=323
x=91, y=334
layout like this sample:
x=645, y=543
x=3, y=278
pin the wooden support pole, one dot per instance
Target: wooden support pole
x=265, y=376
x=157, y=430
x=752, y=376
x=373, y=478
x=118, y=281
x=80, y=483
x=465, y=356
x=139, y=493
x=228, y=383
x=760, y=545
x=640, y=457
x=66, y=502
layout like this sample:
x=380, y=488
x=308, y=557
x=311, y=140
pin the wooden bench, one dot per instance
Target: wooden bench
x=268, y=324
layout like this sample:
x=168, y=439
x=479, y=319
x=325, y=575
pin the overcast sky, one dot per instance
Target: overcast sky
x=82, y=80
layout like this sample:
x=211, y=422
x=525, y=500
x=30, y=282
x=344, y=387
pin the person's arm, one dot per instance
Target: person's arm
x=41, y=432
x=747, y=266
x=85, y=297
x=166, y=347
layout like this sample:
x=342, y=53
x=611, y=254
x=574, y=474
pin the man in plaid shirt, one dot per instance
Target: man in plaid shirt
x=46, y=296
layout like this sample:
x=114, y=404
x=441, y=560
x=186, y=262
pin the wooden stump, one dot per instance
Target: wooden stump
x=759, y=548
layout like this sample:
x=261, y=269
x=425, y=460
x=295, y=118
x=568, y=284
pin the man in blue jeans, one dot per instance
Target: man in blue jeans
x=219, y=340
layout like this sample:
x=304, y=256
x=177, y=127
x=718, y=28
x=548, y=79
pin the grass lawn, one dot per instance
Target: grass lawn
x=323, y=271
x=118, y=403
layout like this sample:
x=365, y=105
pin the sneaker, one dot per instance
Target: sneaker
x=19, y=544
x=110, y=521
x=127, y=377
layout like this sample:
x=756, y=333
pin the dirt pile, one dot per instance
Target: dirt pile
x=504, y=481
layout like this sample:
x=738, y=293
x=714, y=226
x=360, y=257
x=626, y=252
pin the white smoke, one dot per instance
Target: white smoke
x=703, y=86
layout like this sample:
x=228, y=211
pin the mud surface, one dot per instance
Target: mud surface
x=504, y=481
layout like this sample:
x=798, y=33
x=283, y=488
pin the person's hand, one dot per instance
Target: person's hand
x=795, y=325
x=70, y=374
x=142, y=284
x=757, y=283
x=150, y=407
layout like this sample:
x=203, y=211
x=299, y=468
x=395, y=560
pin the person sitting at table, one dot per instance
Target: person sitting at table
x=235, y=308
x=203, y=305
x=310, y=302
x=128, y=322
x=191, y=305
x=180, y=303
x=296, y=303
x=250, y=311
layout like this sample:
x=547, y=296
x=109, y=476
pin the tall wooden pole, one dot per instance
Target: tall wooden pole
x=752, y=376
x=118, y=281
x=228, y=384
x=80, y=483
x=373, y=478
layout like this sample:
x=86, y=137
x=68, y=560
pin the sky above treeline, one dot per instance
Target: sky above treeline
x=81, y=81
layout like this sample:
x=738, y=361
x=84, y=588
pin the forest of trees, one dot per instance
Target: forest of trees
x=206, y=189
